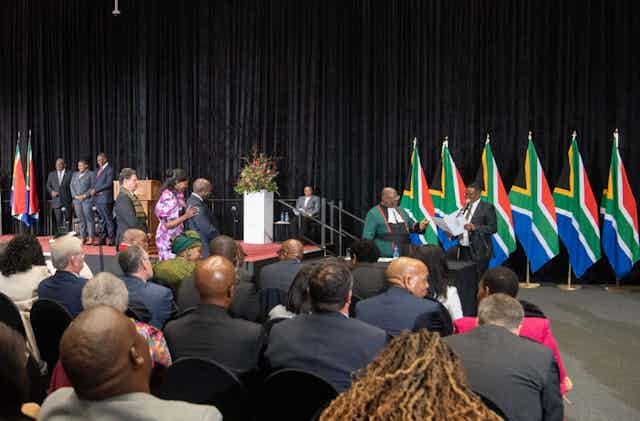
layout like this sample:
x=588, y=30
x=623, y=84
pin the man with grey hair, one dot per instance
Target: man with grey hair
x=105, y=289
x=65, y=286
x=517, y=374
x=158, y=300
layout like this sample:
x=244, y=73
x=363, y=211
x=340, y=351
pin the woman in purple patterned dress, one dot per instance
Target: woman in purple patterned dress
x=171, y=212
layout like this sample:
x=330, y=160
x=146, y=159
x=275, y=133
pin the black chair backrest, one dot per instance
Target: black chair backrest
x=269, y=298
x=439, y=321
x=49, y=321
x=492, y=406
x=201, y=381
x=352, y=306
x=291, y=394
x=10, y=315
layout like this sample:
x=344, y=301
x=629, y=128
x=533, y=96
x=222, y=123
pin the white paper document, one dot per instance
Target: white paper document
x=452, y=224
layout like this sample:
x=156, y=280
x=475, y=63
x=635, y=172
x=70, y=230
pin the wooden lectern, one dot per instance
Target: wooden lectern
x=148, y=192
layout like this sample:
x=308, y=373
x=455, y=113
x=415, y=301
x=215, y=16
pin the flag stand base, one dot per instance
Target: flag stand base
x=569, y=287
x=529, y=285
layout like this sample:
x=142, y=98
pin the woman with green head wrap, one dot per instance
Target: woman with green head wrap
x=172, y=272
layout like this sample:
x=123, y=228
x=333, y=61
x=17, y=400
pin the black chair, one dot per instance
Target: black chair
x=49, y=321
x=291, y=394
x=268, y=299
x=352, y=306
x=10, y=315
x=492, y=406
x=201, y=381
x=440, y=321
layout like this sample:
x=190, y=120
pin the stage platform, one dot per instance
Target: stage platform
x=257, y=254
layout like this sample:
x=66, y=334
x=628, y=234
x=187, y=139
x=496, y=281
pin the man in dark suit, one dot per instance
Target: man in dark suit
x=65, y=286
x=128, y=210
x=203, y=222
x=403, y=302
x=280, y=274
x=198, y=334
x=368, y=275
x=307, y=206
x=58, y=183
x=102, y=193
x=517, y=374
x=476, y=243
x=326, y=342
x=158, y=300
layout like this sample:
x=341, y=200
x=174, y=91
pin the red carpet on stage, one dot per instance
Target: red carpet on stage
x=255, y=252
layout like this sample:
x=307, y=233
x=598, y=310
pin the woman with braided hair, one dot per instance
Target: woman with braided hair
x=415, y=377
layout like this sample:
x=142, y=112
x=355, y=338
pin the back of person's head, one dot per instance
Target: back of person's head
x=14, y=381
x=21, y=253
x=434, y=258
x=365, y=251
x=173, y=177
x=126, y=174
x=130, y=260
x=63, y=249
x=135, y=237
x=416, y=377
x=104, y=356
x=291, y=249
x=410, y=274
x=224, y=246
x=298, y=294
x=330, y=284
x=499, y=280
x=215, y=279
x=105, y=289
x=500, y=310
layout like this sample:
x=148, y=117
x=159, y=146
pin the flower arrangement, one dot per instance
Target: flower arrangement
x=258, y=173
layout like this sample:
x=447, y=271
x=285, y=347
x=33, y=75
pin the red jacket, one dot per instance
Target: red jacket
x=533, y=328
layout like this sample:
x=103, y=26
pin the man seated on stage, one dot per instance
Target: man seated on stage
x=199, y=333
x=65, y=286
x=109, y=366
x=517, y=374
x=403, y=302
x=203, y=222
x=326, y=342
x=280, y=274
x=389, y=226
x=307, y=206
x=476, y=243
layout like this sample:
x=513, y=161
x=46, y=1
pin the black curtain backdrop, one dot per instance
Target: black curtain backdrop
x=337, y=88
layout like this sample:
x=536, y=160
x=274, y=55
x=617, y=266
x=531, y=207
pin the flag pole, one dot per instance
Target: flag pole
x=568, y=286
x=528, y=284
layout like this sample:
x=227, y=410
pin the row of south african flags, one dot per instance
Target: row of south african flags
x=535, y=215
x=24, y=195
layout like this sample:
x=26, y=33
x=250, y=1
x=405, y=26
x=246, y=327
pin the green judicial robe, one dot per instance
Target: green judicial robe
x=378, y=228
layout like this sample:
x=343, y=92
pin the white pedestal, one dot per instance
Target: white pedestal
x=258, y=217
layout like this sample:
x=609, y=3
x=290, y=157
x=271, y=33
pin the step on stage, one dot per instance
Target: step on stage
x=258, y=255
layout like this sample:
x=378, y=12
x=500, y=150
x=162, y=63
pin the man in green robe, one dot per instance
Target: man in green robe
x=389, y=226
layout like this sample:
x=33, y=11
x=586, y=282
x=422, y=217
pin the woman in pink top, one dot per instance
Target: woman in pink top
x=171, y=212
x=503, y=280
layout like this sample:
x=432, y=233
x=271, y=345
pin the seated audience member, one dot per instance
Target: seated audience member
x=134, y=237
x=23, y=268
x=186, y=248
x=504, y=281
x=108, y=364
x=158, y=300
x=14, y=379
x=326, y=342
x=415, y=377
x=65, y=286
x=403, y=302
x=440, y=287
x=280, y=274
x=107, y=289
x=368, y=274
x=209, y=331
x=518, y=375
x=297, y=297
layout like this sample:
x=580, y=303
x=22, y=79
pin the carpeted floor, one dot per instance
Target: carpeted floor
x=598, y=333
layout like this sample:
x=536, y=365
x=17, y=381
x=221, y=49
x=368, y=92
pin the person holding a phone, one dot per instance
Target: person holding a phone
x=171, y=211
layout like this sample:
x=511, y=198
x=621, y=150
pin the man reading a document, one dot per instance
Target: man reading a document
x=480, y=216
x=389, y=225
